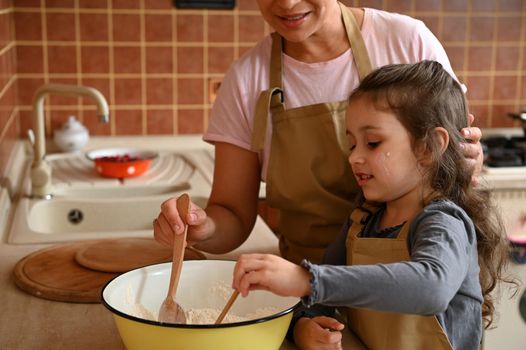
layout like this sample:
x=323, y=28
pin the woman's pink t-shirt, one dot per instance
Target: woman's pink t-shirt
x=389, y=37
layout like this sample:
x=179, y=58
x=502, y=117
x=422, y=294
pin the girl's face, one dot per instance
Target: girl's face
x=298, y=20
x=382, y=158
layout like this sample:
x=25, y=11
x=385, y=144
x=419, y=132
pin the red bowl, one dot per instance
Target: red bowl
x=121, y=162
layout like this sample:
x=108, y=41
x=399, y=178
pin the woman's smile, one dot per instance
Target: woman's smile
x=293, y=21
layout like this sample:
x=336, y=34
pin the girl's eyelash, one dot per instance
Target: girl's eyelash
x=352, y=148
x=373, y=144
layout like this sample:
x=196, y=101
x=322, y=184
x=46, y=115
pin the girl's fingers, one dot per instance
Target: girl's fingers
x=251, y=281
x=329, y=322
x=330, y=332
x=249, y=271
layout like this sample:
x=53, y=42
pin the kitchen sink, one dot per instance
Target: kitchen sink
x=65, y=219
x=85, y=205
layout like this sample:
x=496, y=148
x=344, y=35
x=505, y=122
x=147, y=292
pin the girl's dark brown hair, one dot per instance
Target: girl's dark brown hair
x=424, y=96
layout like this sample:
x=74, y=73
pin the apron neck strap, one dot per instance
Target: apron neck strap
x=360, y=215
x=359, y=51
x=275, y=61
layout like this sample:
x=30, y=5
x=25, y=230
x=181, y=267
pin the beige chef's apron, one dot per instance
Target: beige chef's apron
x=387, y=330
x=308, y=179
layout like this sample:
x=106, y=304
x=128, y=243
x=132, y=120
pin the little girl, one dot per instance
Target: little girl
x=421, y=252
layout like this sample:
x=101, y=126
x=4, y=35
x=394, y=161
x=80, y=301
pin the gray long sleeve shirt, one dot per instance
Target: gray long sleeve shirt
x=441, y=279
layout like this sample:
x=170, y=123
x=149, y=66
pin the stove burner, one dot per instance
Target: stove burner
x=501, y=151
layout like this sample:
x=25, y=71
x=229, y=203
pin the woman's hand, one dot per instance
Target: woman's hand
x=318, y=333
x=270, y=272
x=473, y=149
x=169, y=222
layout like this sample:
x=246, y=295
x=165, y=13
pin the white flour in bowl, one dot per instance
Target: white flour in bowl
x=201, y=315
x=209, y=316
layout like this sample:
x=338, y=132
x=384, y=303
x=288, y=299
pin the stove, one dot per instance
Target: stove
x=503, y=151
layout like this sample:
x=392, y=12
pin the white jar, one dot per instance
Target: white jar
x=72, y=136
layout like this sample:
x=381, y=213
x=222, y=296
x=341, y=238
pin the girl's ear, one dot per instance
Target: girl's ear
x=441, y=138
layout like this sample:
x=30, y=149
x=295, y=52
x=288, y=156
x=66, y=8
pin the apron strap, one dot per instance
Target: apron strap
x=359, y=51
x=272, y=100
x=359, y=217
x=361, y=214
x=275, y=61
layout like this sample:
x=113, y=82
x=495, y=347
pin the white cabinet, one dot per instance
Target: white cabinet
x=510, y=333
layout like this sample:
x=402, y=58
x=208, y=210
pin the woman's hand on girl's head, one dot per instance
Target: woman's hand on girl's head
x=318, y=333
x=270, y=272
x=473, y=149
x=169, y=222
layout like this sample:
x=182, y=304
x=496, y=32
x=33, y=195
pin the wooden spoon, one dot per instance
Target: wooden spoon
x=170, y=311
x=227, y=307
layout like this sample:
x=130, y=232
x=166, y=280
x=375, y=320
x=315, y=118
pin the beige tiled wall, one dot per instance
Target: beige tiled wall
x=155, y=64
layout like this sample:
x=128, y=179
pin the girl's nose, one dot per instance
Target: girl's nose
x=355, y=157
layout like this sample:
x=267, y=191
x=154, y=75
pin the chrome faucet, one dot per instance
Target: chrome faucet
x=40, y=169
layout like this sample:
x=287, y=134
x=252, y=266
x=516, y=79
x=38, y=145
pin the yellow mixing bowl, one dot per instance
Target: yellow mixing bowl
x=132, y=296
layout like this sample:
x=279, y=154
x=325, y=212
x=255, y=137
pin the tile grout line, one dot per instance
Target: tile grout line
x=5, y=88
x=125, y=75
x=111, y=69
x=492, y=71
x=125, y=107
x=522, y=52
x=45, y=63
x=136, y=44
x=236, y=34
x=78, y=39
x=143, y=68
x=175, y=70
x=134, y=11
x=466, y=46
x=8, y=47
x=465, y=63
x=12, y=119
x=206, y=58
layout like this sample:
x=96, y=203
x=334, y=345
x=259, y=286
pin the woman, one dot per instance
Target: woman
x=280, y=117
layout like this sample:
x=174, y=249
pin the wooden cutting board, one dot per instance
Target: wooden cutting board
x=125, y=254
x=53, y=273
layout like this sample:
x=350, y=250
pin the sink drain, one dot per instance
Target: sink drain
x=75, y=216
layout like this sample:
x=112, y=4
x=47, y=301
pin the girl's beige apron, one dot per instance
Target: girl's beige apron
x=308, y=177
x=386, y=330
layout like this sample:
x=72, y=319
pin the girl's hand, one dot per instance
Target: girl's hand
x=270, y=272
x=473, y=149
x=318, y=333
x=169, y=222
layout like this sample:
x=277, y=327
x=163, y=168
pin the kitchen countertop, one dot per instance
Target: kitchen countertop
x=28, y=322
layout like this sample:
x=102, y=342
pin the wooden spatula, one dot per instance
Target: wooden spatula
x=227, y=307
x=171, y=311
